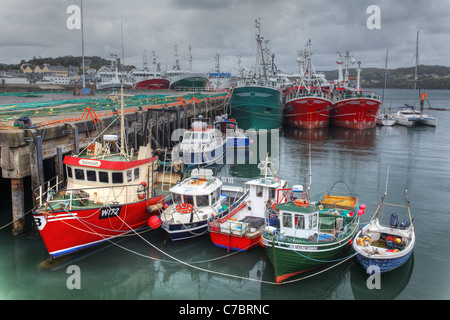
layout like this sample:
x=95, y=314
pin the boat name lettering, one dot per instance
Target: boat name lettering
x=109, y=212
x=92, y=163
x=300, y=247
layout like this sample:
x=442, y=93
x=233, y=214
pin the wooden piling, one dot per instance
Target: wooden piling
x=18, y=206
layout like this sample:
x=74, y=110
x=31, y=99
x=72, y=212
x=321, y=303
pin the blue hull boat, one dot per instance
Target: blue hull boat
x=385, y=246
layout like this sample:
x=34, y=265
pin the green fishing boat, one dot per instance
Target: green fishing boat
x=256, y=107
x=256, y=101
x=305, y=233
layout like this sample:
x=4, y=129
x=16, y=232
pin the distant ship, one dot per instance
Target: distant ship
x=146, y=79
x=352, y=107
x=107, y=79
x=256, y=102
x=184, y=80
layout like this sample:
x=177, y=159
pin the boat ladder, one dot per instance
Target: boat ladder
x=165, y=170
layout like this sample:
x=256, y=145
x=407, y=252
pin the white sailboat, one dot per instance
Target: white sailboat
x=408, y=116
x=384, y=118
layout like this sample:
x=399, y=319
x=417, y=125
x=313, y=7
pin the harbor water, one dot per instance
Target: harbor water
x=148, y=266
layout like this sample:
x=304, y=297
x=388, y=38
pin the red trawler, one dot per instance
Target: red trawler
x=308, y=105
x=352, y=107
x=107, y=195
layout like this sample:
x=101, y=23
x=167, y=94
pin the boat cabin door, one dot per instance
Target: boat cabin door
x=259, y=195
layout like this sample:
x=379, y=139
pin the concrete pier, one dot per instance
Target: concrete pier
x=38, y=150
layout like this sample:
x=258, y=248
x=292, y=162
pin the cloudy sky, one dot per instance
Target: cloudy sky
x=39, y=28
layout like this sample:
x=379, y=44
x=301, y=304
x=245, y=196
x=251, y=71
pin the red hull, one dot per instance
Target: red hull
x=237, y=243
x=157, y=83
x=308, y=112
x=355, y=113
x=64, y=233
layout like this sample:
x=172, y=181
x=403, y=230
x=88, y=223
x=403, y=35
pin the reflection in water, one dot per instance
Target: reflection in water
x=391, y=283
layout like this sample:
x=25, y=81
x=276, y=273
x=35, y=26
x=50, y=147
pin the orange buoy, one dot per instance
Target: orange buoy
x=301, y=202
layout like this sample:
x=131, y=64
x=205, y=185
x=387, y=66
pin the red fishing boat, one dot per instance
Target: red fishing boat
x=308, y=105
x=241, y=230
x=352, y=107
x=355, y=109
x=106, y=195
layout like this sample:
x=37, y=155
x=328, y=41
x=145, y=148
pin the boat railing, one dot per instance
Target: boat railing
x=356, y=94
x=53, y=196
x=303, y=93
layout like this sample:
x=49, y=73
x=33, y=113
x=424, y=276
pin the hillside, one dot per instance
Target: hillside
x=431, y=77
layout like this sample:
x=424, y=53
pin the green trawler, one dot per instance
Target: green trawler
x=256, y=107
x=256, y=102
x=304, y=234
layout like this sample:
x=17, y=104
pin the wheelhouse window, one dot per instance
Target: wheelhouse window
x=129, y=175
x=91, y=175
x=299, y=221
x=79, y=174
x=287, y=220
x=259, y=191
x=117, y=177
x=203, y=200
x=177, y=198
x=187, y=136
x=136, y=173
x=103, y=177
x=69, y=172
x=188, y=199
x=272, y=193
x=313, y=221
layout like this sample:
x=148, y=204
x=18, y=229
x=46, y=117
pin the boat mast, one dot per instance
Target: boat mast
x=259, y=42
x=123, y=144
x=416, y=73
x=385, y=79
x=82, y=45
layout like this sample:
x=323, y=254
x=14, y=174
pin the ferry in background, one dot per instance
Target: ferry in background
x=183, y=80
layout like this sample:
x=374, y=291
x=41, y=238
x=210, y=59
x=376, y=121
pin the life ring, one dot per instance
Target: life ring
x=141, y=190
x=184, y=207
x=301, y=202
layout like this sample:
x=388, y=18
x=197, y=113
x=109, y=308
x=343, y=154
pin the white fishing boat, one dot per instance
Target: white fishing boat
x=110, y=78
x=197, y=200
x=201, y=145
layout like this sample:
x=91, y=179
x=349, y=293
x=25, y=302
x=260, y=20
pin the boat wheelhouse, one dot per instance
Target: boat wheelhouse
x=201, y=145
x=305, y=232
x=105, y=197
x=196, y=200
x=242, y=229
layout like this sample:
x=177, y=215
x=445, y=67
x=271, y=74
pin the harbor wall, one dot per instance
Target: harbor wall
x=32, y=155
